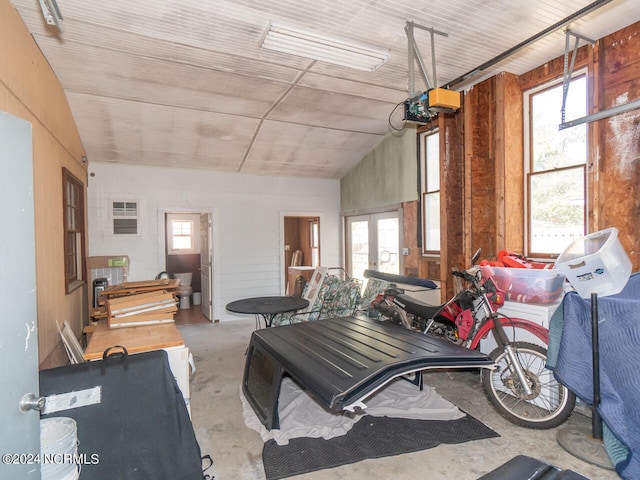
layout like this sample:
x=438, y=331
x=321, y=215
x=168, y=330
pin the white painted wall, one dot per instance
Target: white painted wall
x=247, y=213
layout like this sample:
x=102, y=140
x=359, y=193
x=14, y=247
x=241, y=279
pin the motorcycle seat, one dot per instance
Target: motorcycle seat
x=416, y=307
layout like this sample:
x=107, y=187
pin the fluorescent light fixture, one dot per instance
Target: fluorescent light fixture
x=323, y=48
x=51, y=13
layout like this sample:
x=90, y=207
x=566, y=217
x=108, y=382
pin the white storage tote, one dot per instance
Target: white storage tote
x=596, y=263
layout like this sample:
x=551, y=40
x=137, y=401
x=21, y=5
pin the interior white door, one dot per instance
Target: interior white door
x=373, y=242
x=206, y=267
x=20, y=433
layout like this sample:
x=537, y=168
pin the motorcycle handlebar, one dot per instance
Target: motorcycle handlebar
x=393, y=291
x=489, y=286
x=464, y=275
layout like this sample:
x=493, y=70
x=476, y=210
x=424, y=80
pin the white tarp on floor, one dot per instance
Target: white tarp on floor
x=302, y=416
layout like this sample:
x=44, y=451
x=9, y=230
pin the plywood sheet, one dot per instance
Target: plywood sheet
x=132, y=288
x=134, y=339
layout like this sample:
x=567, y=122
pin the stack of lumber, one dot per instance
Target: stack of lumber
x=138, y=303
x=134, y=288
x=141, y=309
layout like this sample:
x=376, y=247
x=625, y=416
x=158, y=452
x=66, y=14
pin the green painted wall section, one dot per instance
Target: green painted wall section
x=385, y=176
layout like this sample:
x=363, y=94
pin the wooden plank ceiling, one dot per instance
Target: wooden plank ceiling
x=183, y=82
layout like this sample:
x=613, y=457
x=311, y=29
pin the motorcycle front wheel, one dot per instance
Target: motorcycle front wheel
x=550, y=402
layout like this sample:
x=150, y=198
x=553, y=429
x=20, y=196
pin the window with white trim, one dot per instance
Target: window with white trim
x=430, y=159
x=555, y=167
x=182, y=235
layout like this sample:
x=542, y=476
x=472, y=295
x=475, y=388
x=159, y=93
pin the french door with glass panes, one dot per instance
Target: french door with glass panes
x=373, y=243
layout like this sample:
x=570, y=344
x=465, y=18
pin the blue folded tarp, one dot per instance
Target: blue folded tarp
x=570, y=356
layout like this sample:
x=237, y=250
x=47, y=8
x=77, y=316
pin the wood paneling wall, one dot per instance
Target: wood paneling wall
x=411, y=262
x=617, y=173
x=614, y=143
x=297, y=236
x=452, y=191
x=482, y=154
x=29, y=89
x=481, y=221
x=493, y=167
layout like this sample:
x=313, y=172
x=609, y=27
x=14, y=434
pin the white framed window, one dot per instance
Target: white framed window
x=430, y=159
x=555, y=167
x=124, y=215
x=183, y=234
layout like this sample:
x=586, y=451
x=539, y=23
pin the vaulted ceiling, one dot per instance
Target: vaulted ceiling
x=184, y=83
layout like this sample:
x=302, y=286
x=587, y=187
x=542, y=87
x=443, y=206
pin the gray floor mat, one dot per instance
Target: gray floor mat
x=371, y=437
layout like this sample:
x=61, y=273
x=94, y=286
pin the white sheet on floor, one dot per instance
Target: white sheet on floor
x=302, y=416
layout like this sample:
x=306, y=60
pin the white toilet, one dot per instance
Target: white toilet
x=184, y=290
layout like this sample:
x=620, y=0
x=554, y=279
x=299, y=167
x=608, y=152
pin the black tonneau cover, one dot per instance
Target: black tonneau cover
x=341, y=361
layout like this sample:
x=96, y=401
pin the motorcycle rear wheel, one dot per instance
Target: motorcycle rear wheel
x=548, y=406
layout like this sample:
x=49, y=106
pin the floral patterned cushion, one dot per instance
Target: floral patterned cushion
x=374, y=287
x=341, y=300
x=312, y=311
x=337, y=298
x=329, y=286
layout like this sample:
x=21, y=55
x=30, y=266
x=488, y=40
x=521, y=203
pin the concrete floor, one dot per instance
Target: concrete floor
x=219, y=352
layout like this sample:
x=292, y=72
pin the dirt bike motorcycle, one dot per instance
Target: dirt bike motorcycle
x=520, y=387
